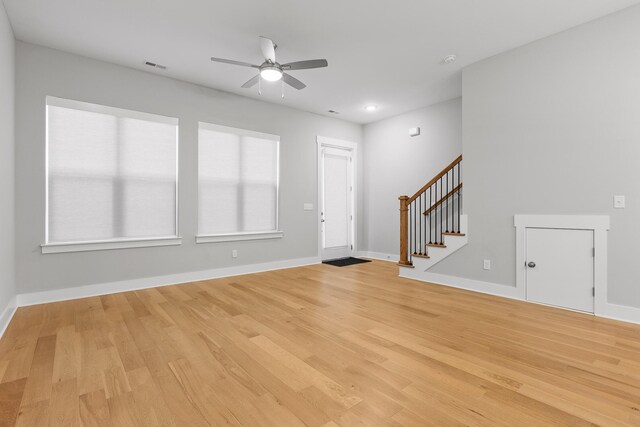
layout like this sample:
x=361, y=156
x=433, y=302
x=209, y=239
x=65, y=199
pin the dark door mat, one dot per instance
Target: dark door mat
x=342, y=262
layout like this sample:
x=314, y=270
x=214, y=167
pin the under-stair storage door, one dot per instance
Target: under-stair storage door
x=336, y=203
x=560, y=267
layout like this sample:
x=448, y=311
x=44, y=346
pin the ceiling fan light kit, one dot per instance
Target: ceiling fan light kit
x=272, y=71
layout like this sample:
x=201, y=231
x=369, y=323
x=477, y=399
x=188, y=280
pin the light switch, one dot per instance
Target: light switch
x=486, y=264
x=619, y=202
x=308, y=206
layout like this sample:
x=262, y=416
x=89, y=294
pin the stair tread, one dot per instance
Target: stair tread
x=406, y=265
x=435, y=245
x=451, y=233
x=421, y=256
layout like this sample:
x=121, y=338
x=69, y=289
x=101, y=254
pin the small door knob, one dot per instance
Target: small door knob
x=531, y=264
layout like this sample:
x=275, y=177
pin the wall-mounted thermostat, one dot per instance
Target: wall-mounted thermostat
x=414, y=131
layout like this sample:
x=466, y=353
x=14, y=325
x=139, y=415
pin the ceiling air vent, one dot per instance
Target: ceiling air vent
x=154, y=65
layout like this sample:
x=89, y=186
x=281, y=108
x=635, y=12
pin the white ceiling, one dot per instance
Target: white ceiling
x=384, y=52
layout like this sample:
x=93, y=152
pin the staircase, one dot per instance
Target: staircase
x=432, y=226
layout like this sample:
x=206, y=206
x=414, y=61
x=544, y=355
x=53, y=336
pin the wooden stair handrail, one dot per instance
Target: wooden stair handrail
x=441, y=201
x=436, y=178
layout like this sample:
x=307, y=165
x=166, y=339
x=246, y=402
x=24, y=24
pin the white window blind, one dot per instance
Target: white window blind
x=238, y=181
x=111, y=173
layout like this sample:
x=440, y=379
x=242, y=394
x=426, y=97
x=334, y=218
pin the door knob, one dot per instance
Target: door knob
x=531, y=264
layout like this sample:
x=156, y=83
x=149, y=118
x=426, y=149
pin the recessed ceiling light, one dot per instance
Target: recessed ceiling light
x=449, y=59
x=371, y=107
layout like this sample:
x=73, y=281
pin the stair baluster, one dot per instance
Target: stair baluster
x=446, y=204
x=420, y=226
x=430, y=216
x=459, y=198
x=410, y=231
x=425, y=223
x=439, y=217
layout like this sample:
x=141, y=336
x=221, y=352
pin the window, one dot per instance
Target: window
x=111, y=176
x=238, y=184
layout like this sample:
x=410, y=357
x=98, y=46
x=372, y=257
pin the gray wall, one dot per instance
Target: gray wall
x=397, y=164
x=42, y=71
x=553, y=127
x=7, y=83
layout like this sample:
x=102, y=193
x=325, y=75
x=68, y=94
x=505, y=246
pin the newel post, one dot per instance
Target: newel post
x=404, y=230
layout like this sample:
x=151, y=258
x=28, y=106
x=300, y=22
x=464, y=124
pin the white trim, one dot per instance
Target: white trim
x=599, y=224
x=379, y=256
x=154, y=282
x=46, y=173
x=611, y=311
x=7, y=314
x=112, y=111
x=624, y=313
x=323, y=141
x=462, y=283
x=236, y=237
x=575, y=222
x=238, y=131
x=277, y=184
x=54, y=248
x=177, y=182
x=337, y=143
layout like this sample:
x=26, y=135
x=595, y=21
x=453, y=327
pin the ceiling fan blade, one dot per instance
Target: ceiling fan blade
x=293, y=82
x=268, y=49
x=304, y=65
x=232, y=62
x=251, y=82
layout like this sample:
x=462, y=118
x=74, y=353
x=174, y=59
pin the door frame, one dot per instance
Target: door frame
x=322, y=141
x=599, y=224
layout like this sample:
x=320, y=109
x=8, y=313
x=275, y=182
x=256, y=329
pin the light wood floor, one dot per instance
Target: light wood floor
x=317, y=345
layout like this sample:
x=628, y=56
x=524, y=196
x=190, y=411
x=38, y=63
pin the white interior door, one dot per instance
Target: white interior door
x=560, y=266
x=336, y=203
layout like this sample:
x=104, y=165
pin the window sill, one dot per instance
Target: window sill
x=236, y=237
x=54, y=248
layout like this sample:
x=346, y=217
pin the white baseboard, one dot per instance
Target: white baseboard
x=379, y=255
x=463, y=283
x=624, y=313
x=611, y=311
x=154, y=282
x=7, y=314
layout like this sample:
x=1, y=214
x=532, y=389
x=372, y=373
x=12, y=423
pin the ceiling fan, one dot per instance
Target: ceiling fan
x=272, y=71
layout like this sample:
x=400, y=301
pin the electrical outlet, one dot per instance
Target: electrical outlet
x=234, y=254
x=487, y=264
